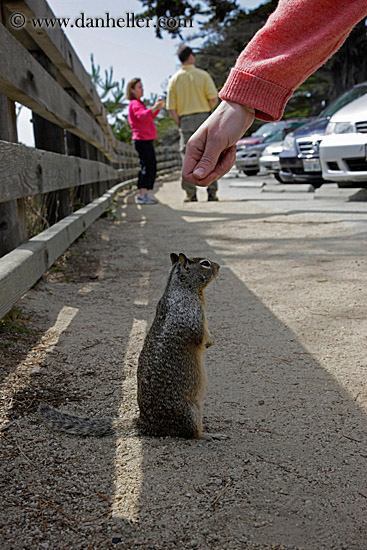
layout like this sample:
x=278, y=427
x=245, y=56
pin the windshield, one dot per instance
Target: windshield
x=344, y=99
x=278, y=136
x=266, y=129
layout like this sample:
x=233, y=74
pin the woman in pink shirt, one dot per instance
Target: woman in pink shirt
x=144, y=132
x=297, y=39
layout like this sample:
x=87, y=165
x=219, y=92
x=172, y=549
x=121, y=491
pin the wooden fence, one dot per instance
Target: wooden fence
x=76, y=154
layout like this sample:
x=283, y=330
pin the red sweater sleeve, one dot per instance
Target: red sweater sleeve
x=295, y=41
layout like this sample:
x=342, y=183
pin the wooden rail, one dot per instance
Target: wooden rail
x=76, y=151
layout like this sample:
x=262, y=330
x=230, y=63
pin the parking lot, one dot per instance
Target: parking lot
x=267, y=192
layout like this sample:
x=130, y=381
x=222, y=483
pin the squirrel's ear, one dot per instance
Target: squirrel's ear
x=183, y=259
x=174, y=258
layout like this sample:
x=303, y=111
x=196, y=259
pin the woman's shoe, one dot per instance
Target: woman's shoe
x=150, y=200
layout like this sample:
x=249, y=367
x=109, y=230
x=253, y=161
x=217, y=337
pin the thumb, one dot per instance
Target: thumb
x=207, y=163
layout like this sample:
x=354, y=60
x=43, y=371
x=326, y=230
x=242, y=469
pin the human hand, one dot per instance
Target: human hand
x=211, y=151
x=158, y=105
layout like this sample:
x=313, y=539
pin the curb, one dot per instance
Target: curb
x=332, y=191
x=288, y=188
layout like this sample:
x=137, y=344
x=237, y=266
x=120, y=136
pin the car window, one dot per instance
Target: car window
x=265, y=129
x=277, y=136
x=343, y=100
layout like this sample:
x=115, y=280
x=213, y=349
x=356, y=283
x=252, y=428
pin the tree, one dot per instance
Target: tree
x=111, y=92
x=215, y=10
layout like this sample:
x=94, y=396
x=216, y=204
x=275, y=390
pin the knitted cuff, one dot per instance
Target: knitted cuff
x=268, y=99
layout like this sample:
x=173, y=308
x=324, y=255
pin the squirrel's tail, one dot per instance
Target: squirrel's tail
x=77, y=425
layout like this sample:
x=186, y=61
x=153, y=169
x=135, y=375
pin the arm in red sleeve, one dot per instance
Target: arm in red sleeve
x=141, y=112
x=295, y=41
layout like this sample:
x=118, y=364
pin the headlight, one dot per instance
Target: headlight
x=339, y=128
x=267, y=151
x=289, y=144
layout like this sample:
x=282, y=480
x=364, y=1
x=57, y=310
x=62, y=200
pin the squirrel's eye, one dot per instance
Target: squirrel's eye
x=205, y=263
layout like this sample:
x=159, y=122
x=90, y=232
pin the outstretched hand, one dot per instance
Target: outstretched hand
x=211, y=151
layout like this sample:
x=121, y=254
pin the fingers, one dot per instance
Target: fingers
x=224, y=164
x=205, y=160
x=211, y=151
x=201, y=158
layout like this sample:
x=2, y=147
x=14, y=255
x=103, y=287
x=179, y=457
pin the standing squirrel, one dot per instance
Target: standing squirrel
x=171, y=373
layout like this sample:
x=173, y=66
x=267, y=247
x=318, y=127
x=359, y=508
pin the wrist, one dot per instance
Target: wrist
x=240, y=106
x=249, y=109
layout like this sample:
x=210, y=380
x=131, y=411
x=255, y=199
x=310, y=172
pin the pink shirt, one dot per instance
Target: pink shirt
x=295, y=41
x=141, y=121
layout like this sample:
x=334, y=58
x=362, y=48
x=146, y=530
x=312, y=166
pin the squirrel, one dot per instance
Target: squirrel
x=171, y=375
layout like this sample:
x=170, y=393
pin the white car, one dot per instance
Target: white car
x=269, y=159
x=343, y=151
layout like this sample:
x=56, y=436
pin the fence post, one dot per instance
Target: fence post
x=13, y=226
x=50, y=137
x=78, y=148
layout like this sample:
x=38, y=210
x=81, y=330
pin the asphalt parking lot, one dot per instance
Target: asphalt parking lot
x=266, y=191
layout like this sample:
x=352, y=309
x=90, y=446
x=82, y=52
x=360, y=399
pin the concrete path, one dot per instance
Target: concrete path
x=286, y=381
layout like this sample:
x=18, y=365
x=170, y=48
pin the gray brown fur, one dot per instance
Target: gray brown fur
x=171, y=374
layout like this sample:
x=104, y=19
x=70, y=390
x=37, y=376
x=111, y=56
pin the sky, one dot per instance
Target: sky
x=132, y=52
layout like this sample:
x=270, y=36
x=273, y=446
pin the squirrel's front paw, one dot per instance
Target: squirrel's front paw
x=209, y=344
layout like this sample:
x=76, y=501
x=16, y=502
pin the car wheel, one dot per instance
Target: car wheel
x=278, y=177
x=250, y=172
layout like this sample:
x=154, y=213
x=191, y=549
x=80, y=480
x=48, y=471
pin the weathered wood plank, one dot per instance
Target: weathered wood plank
x=26, y=171
x=21, y=268
x=27, y=81
x=55, y=44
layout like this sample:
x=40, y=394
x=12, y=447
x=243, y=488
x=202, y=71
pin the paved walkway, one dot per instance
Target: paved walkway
x=286, y=380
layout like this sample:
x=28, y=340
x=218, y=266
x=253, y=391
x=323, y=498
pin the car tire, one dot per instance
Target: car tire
x=251, y=172
x=278, y=177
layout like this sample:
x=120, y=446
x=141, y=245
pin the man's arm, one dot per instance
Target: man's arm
x=295, y=41
x=173, y=114
x=213, y=103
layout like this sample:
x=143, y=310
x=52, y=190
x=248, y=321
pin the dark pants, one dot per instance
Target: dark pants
x=148, y=163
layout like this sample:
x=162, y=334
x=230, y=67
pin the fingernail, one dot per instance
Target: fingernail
x=199, y=172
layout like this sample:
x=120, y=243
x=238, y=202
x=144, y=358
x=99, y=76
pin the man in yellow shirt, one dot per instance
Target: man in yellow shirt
x=191, y=97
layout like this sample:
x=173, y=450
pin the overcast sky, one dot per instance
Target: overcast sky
x=130, y=51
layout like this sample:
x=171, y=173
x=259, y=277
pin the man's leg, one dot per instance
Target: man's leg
x=185, y=134
x=212, y=191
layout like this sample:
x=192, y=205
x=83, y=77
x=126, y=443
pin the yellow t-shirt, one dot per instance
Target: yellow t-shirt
x=189, y=91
